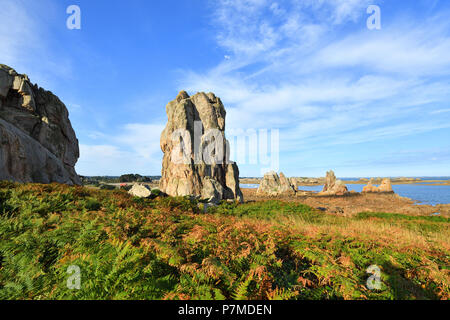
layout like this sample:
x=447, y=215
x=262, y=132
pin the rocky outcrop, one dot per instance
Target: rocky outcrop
x=333, y=187
x=385, y=187
x=37, y=142
x=274, y=185
x=294, y=182
x=196, y=153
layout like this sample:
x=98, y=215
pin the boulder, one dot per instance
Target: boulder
x=195, y=161
x=140, y=190
x=333, y=187
x=37, y=141
x=274, y=185
x=370, y=186
x=385, y=187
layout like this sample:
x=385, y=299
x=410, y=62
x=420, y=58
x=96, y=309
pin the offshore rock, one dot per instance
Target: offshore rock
x=385, y=187
x=333, y=187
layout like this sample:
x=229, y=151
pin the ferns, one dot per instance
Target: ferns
x=241, y=292
x=131, y=248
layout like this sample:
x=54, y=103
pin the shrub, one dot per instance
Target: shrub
x=107, y=187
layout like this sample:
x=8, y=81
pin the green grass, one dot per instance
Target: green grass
x=266, y=210
x=166, y=248
x=396, y=216
x=422, y=224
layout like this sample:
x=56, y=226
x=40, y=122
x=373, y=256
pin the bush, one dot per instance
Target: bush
x=107, y=187
x=92, y=204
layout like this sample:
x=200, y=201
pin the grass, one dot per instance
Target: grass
x=167, y=248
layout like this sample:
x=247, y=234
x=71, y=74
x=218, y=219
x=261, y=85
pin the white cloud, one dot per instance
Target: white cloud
x=17, y=32
x=25, y=41
x=133, y=149
x=254, y=26
x=323, y=84
x=405, y=49
x=143, y=139
x=344, y=10
x=440, y=111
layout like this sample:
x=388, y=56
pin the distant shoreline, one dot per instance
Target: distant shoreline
x=321, y=181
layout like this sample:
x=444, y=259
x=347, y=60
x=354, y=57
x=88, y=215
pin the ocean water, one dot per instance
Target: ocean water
x=422, y=194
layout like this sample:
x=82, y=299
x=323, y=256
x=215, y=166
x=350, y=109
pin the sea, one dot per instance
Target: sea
x=422, y=194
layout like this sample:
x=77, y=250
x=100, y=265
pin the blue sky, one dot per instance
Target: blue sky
x=362, y=102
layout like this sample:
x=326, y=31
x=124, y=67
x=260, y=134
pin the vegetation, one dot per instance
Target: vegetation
x=97, y=180
x=134, y=178
x=167, y=248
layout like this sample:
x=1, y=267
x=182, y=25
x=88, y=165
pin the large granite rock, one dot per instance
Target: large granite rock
x=333, y=187
x=385, y=187
x=196, y=152
x=274, y=185
x=37, y=142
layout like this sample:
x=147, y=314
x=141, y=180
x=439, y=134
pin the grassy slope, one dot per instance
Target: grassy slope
x=129, y=248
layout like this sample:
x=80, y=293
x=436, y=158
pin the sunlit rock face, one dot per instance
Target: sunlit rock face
x=384, y=187
x=195, y=160
x=37, y=141
x=273, y=185
x=333, y=187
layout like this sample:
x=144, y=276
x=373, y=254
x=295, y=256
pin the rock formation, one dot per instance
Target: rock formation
x=195, y=150
x=294, y=182
x=274, y=185
x=37, y=142
x=333, y=187
x=141, y=191
x=385, y=187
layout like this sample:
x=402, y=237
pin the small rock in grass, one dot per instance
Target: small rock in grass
x=141, y=191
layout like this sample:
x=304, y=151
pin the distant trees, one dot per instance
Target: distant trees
x=134, y=178
x=126, y=178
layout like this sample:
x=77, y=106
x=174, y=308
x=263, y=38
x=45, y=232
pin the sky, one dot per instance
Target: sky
x=363, y=102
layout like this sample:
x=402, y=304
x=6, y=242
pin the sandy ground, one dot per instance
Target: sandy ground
x=355, y=203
